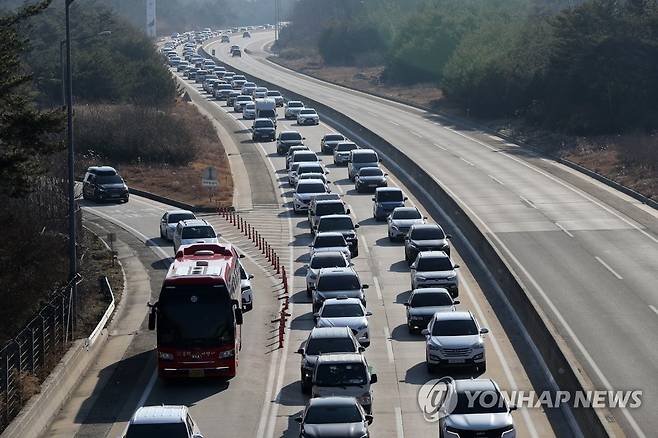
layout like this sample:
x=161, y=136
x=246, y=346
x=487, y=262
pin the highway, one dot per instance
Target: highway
x=265, y=397
x=586, y=253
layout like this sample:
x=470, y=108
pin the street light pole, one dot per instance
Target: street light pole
x=72, y=250
x=276, y=21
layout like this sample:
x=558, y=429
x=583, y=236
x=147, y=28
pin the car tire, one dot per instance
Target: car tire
x=309, y=293
x=162, y=235
x=390, y=237
x=247, y=307
x=431, y=368
x=482, y=368
x=306, y=388
x=412, y=331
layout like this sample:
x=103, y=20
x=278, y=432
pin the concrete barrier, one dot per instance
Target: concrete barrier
x=567, y=372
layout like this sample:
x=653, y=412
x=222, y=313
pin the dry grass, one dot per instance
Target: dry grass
x=631, y=160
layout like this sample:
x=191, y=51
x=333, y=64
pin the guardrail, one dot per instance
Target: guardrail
x=566, y=370
x=233, y=217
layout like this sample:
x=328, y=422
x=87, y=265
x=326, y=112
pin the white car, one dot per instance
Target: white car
x=248, y=88
x=292, y=108
x=330, y=242
x=313, y=175
x=400, y=221
x=454, y=339
x=169, y=221
x=304, y=191
x=260, y=93
x=276, y=95
x=308, y=116
x=483, y=416
x=249, y=111
x=345, y=312
x=434, y=269
x=193, y=231
x=329, y=259
x=245, y=287
x=240, y=103
x=160, y=421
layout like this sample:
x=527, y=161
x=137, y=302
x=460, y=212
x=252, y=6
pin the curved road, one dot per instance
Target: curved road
x=586, y=253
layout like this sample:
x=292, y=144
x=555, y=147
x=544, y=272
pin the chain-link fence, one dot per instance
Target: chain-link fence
x=40, y=344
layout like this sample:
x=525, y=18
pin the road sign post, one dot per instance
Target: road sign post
x=209, y=179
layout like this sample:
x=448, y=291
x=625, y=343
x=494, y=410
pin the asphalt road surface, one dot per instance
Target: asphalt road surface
x=586, y=253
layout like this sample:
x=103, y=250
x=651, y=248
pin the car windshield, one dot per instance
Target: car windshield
x=195, y=316
x=307, y=111
x=263, y=124
x=311, y=175
x=324, y=209
x=341, y=374
x=365, y=158
x=244, y=99
x=335, y=224
x=249, y=85
x=371, y=172
x=328, y=261
x=489, y=402
x=338, y=282
x=345, y=147
x=109, y=179
x=342, y=311
x=455, y=327
x=311, y=188
x=223, y=87
x=406, y=214
x=332, y=414
x=434, y=264
x=290, y=136
x=310, y=169
x=198, y=232
x=156, y=430
x=295, y=105
x=273, y=93
x=434, y=233
x=267, y=113
x=329, y=345
x=333, y=137
x=431, y=299
x=177, y=217
x=250, y=106
x=329, y=241
x=304, y=156
x=389, y=196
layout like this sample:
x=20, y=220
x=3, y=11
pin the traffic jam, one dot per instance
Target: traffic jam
x=207, y=292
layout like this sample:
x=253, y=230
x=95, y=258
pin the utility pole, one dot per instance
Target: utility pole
x=72, y=250
x=276, y=21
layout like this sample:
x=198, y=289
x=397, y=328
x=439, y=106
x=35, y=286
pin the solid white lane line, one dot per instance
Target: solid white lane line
x=399, y=427
x=364, y=243
x=607, y=266
x=417, y=134
x=378, y=289
x=466, y=161
x=653, y=308
x=393, y=123
x=339, y=188
x=527, y=201
x=440, y=147
x=563, y=229
x=389, y=346
x=497, y=180
x=500, y=355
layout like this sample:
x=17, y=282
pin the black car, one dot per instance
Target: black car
x=329, y=142
x=263, y=129
x=340, y=223
x=424, y=303
x=425, y=237
x=288, y=139
x=334, y=416
x=369, y=178
x=103, y=183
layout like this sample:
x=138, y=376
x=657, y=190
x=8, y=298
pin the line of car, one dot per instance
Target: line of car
x=333, y=367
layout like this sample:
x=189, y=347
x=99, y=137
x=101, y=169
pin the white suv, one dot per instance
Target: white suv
x=454, y=339
x=345, y=312
x=194, y=231
x=169, y=421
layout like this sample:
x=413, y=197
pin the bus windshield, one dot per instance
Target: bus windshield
x=195, y=316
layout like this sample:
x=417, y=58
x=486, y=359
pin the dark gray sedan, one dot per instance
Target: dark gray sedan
x=334, y=417
x=424, y=303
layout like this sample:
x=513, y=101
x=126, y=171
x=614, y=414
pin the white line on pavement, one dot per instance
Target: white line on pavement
x=440, y=147
x=527, y=201
x=497, y=180
x=417, y=134
x=399, y=427
x=389, y=346
x=378, y=289
x=607, y=266
x=653, y=308
x=393, y=123
x=364, y=243
x=466, y=161
x=563, y=229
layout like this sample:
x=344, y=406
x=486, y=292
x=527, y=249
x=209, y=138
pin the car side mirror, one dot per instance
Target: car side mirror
x=425, y=217
x=406, y=199
x=373, y=198
x=303, y=138
x=448, y=236
x=197, y=435
x=368, y=313
x=306, y=265
x=361, y=349
x=425, y=332
x=298, y=419
x=385, y=174
x=348, y=212
x=242, y=256
x=316, y=315
x=238, y=317
x=373, y=378
x=356, y=225
x=152, y=314
x=484, y=331
x=369, y=419
x=328, y=182
x=455, y=267
x=512, y=408
x=407, y=304
x=364, y=286
x=456, y=302
x=300, y=351
x=251, y=276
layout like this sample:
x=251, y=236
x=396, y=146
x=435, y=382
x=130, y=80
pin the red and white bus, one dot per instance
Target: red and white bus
x=198, y=314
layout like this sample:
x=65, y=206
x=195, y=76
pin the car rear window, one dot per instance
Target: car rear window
x=175, y=218
x=389, y=196
x=311, y=188
x=291, y=136
x=434, y=264
x=346, y=147
x=431, y=299
x=304, y=156
x=330, y=282
x=173, y=430
x=407, y=214
x=427, y=234
x=307, y=111
x=200, y=232
x=371, y=172
x=329, y=241
x=368, y=157
x=295, y=104
x=324, y=209
x=333, y=137
x=328, y=261
x=310, y=169
x=264, y=124
x=335, y=224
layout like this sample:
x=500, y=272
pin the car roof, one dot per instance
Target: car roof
x=458, y=315
x=364, y=151
x=332, y=401
x=433, y=255
x=463, y=385
x=430, y=290
x=335, y=216
x=425, y=226
x=194, y=223
x=289, y=132
x=330, y=332
x=387, y=189
x=159, y=414
x=337, y=271
x=310, y=181
x=404, y=209
x=263, y=119
x=329, y=234
x=341, y=358
x=329, y=201
x=179, y=212
x=341, y=301
x=101, y=169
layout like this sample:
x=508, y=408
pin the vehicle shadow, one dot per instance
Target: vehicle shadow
x=301, y=298
x=400, y=266
x=401, y=334
x=386, y=242
x=293, y=427
x=402, y=297
x=419, y=375
x=303, y=322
